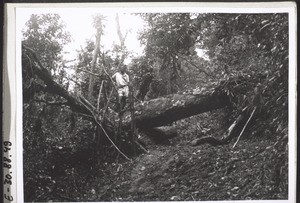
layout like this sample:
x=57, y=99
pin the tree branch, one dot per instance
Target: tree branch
x=244, y=127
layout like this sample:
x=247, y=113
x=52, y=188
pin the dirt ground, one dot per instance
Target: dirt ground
x=185, y=173
x=255, y=169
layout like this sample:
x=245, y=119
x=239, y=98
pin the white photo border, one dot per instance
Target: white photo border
x=12, y=100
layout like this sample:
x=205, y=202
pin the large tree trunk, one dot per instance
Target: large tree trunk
x=165, y=110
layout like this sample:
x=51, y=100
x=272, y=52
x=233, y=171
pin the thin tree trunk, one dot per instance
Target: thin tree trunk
x=121, y=38
x=94, y=60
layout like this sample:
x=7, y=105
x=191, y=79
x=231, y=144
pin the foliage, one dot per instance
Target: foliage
x=235, y=44
x=55, y=140
x=167, y=36
x=244, y=43
x=46, y=35
x=50, y=129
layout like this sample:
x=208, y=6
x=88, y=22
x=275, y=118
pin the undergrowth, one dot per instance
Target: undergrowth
x=71, y=169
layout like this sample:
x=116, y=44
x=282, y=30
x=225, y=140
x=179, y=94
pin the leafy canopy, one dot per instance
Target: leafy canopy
x=46, y=35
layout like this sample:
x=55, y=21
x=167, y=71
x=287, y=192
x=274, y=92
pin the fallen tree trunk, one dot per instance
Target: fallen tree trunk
x=165, y=110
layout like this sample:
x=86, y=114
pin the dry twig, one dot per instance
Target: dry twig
x=244, y=127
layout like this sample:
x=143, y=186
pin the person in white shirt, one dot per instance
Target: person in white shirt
x=122, y=80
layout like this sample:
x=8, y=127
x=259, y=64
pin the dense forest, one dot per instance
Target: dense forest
x=209, y=126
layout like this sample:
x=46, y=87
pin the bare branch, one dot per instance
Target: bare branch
x=99, y=96
x=244, y=127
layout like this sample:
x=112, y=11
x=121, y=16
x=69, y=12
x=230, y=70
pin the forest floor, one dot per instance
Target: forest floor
x=254, y=169
x=182, y=172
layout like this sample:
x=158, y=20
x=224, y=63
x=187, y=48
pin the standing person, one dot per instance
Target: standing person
x=122, y=81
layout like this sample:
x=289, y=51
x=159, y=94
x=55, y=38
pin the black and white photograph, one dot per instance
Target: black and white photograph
x=155, y=103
